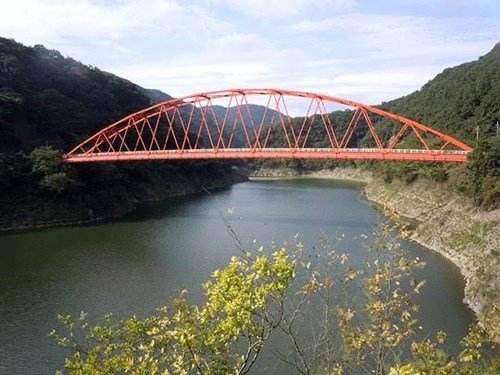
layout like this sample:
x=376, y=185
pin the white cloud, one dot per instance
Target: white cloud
x=77, y=26
x=382, y=57
x=62, y=19
x=188, y=46
x=234, y=45
x=272, y=9
x=184, y=79
x=396, y=36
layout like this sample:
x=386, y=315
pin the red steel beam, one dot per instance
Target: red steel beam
x=110, y=144
x=318, y=154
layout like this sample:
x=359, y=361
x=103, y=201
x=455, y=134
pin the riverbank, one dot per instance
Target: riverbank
x=455, y=228
x=351, y=174
x=32, y=210
x=446, y=223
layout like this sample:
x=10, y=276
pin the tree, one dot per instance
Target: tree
x=48, y=164
x=483, y=170
x=244, y=304
x=367, y=331
x=385, y=319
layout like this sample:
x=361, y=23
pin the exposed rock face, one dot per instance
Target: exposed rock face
x=338, y=173
x=275, y=172
x=452, y=226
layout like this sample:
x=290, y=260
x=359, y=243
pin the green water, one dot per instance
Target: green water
x=134, y=265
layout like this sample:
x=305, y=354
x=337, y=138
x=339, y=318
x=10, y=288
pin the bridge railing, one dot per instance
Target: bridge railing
x=458, y=156
x=291, y=150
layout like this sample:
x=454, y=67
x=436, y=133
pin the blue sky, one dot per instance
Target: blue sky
x=365, y=50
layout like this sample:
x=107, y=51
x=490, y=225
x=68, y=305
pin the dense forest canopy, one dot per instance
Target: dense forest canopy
x=46, y=98
x=463, y=101
x=458, y=100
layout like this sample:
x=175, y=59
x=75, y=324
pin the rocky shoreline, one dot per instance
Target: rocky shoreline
x=453, y=227
x=351, y=174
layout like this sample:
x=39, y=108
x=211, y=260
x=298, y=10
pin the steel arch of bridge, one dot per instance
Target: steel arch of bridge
x=189, y=128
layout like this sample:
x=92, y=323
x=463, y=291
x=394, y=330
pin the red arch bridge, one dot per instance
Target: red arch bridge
x=225, y=125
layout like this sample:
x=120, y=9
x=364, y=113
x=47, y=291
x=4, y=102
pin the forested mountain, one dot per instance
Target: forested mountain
x=250, y=115
x=47, y=99
x=256, y=113
x=458, y=100
x=464, y=102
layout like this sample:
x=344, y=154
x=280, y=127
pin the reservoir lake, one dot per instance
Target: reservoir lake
x=138, y=263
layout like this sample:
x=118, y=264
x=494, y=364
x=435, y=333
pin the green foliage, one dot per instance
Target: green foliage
x=46, y=98
x=478, y=179
x=483, y=173
x=458, y=100
x=15, y=172
x=46, y=160
x=224, y=336
x=408, y=172
x=386, y=320
x=474, y=236
x=57, y=182
x=429, y=358
x=48, y=164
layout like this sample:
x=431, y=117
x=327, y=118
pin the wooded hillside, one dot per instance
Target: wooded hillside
x=48, y=104
x=458, y=100
x=463, y=101
x=48, y=99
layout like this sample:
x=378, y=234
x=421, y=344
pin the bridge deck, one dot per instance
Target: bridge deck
x=277, y=153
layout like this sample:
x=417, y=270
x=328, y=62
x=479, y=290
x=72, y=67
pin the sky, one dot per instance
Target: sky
x=364, y=50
